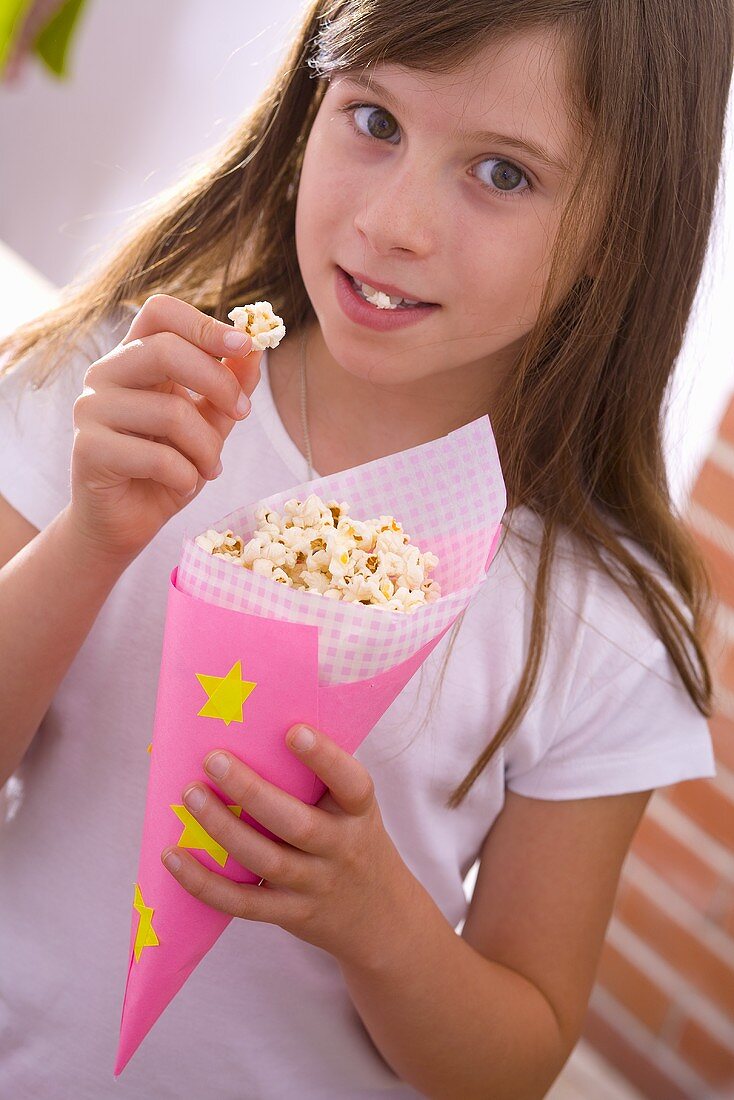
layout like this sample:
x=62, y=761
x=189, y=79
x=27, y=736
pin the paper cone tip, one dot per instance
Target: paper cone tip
x=119, y=1067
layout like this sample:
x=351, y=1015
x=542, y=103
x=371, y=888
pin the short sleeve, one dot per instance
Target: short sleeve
x=630, y=723
x=37, y=429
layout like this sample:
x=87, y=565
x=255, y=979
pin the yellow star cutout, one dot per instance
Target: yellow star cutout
x=226, y=695
x=194, y=835
x=145, y=935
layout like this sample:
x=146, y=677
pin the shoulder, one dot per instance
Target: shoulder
x=73, y=362
x=614, y=627
x=614, y=714
x=36, y=422
x=32, y=394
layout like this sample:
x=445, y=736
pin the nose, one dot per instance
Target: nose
x=397, y=214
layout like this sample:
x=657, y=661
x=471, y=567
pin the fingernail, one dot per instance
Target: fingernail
x=217, y=764
x=217, y=469
x=172, y=862
x=303, y=738
x=194, y=798
x=236, y=341
x=243, y=404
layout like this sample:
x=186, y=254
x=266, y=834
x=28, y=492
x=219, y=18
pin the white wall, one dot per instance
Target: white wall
x=155, y=84
x=152, y=86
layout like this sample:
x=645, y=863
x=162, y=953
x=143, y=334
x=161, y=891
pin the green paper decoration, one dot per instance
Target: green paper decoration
x=53, y=40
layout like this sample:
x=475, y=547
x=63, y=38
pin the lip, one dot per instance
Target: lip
x=387, y=288
x=383, y=320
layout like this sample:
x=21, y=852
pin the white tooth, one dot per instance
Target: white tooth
x=377, y=297
x=371, y=292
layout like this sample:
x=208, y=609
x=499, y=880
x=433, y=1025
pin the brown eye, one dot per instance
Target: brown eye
x=380, y=123
x=505, y=175
x=504, y=178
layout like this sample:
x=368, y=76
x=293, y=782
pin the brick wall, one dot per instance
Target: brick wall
x=662, y=1010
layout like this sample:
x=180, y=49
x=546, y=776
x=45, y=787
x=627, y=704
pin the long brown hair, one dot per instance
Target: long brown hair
x=579, y=425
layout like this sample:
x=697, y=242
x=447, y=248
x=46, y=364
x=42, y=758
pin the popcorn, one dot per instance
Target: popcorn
x=258, y=321
x=225, y=542
x=315, y=546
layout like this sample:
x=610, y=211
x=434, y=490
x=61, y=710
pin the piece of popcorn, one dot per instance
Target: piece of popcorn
x=276, y=552
x=228, y=543
x=362, y=534
x=206, y=542
x=213, y=540
x=258, y=321
x=315, y=580
x=340, y=562
x=431, y=591
x=387, y=588
x=263, y=567
x=413, y=599
x=254, y=548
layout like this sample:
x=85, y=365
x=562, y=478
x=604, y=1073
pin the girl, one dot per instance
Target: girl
x=542, y=174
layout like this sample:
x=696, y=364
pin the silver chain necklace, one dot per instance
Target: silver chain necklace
x=304, y=413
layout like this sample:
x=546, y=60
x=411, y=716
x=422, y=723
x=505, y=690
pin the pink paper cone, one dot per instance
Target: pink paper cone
x=281, y=658
x=237, y=680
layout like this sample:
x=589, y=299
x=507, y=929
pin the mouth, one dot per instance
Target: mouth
x=383, y=296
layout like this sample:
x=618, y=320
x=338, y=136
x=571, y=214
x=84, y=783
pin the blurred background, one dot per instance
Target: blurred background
x=102, y=106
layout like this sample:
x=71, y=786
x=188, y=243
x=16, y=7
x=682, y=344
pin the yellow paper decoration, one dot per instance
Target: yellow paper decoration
x=145, y=935
x=226, y=695
x=194, y=834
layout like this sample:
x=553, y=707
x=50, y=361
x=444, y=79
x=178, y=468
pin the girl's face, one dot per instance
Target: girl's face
x=404, y=191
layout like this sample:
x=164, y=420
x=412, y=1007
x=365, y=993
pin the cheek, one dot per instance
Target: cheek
x=326, y=195
x=505, y=265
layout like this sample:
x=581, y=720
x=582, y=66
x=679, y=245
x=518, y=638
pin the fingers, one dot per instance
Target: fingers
x=349, y=783
x=264, y=855
x=167, y=417
x=247, y=901
x=165, y=382
x=163, y=313
x=128, y=456
x=282, y=814
x=166, y=358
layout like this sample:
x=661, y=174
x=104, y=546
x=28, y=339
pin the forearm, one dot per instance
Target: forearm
x=50, y=595
x=452, y=1023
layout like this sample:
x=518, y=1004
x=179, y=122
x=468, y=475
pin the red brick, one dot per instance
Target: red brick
x=714, y=489
x=725, y=915
x=722, y=735
x=707, y=805
x=640, y=1069
x=722, y=666
x=706, y=1054
x=686, y=952
x=723, y=672
x=721, y=567
x=726, y=428
x=632, y=988
x=676, y=863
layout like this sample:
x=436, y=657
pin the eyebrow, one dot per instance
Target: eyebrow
x=536, y=151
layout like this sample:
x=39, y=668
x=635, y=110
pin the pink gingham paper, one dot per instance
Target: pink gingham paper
x=450, y=497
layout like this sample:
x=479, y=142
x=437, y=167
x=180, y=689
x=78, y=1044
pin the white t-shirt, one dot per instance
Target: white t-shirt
x=266, y=1016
